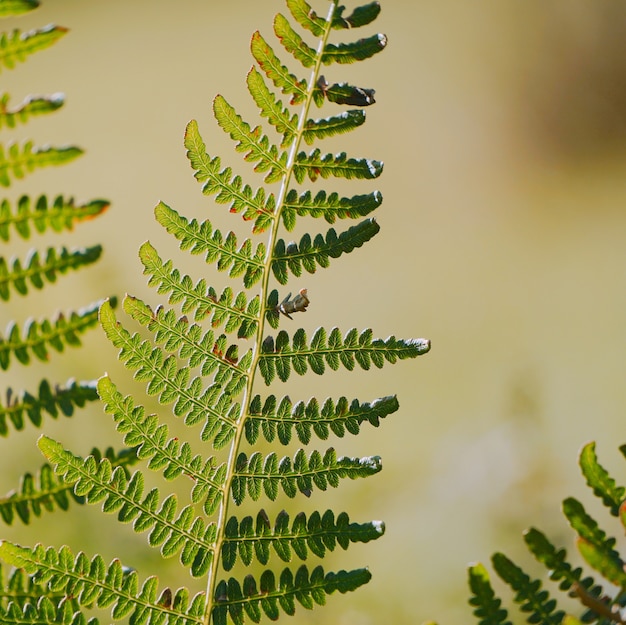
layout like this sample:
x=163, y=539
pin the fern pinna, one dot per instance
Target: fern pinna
x=603, y=599
x=26, y=218
x=211, y=357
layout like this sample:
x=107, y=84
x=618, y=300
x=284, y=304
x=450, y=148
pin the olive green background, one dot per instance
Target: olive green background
x=503, y=131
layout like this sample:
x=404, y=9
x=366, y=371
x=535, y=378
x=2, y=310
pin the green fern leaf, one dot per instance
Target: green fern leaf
x=17, y=46
x=278, y=420
x=330, y=207
x=529, y=595
x=277, y=114
x=559, y=569
x=37, y=271
x=356, y=51
x=92, y=581
x=270, y=596
x=315, y=165
x=39, y=336
x=210, y=353
x=151, y=440
x=488, y=607
x=293, y=43
x=256, y=145
x=60, y=400
x=227, y=188
x=9, y=8
x=307, y=17
x=276, y=71
x=599, y=480
x=170, y=531
x=22, y=590
x=214, y=405
x=43, y=611
x=256, y=475
x=361, y=16
x=44, y=492
x=30, y=107
x=330, y=126
x=239, y=315
x=308, y=254
x=593, y=544
x=20, y=160
x=201, y=238
x=318, y=534
x=61, y=215
x=280, y=357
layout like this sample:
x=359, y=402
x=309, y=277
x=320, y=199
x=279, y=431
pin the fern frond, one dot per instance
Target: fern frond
x=278, y=357
x=529, y=594
x=270, y=596
x=239, y=315
x=30, y=107
x=210, y=353
x=43, y=610
x=599, y=480
x=304, y=14
x=274, y=419
x=344, y=93
x=594, y=545
x=276, y=71
x=10, y=8
x=308, y=254
x=330, y=126
x=39, y=337
x=44, y=492
x=360, y=50
x=559, y=569
x=93, y=582
x=152, y=442
x=361, y=16
x=17, y=46
x=214, y=404
x=227, y=188
x=60, y=400
x=330, y=207
x=61, y=215
x=171, y=530
x=256, y=474
x=315, y=165
x=24, y=601
x=318, y=534
x=256, y=145
x=488, y=607
x=21, y=589
x=293, y=43
x=201, y=238
x=277, y=114
x=19, y=160
x=37, y=271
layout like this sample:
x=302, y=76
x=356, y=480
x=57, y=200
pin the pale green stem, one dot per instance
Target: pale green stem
x=247, y=393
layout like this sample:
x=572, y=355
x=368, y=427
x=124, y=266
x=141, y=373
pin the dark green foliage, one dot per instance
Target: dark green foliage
x=603, y=598
x=600, y=481
x=308, y=254
x=488, y=606
x=249, y=538
x=205, y=353
x=278, y=419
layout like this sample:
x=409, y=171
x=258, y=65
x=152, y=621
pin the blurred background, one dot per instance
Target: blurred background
x=503, y=131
